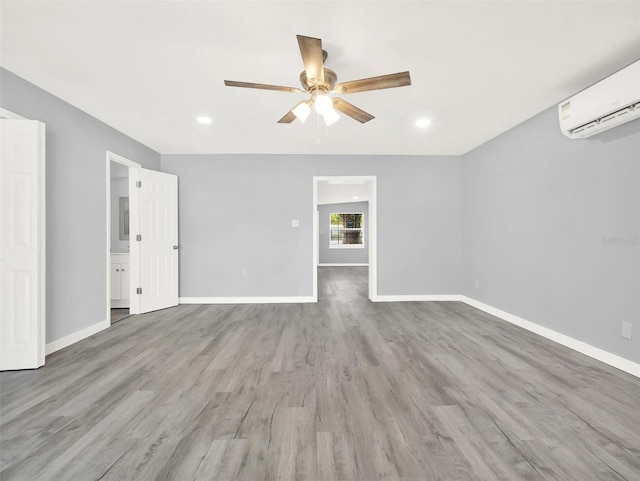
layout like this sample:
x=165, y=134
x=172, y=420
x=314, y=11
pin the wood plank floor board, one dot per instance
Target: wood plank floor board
x=341, y=390
x=94, y=451
x=30, y=439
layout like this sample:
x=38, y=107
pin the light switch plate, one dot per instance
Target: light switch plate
x=626, y=330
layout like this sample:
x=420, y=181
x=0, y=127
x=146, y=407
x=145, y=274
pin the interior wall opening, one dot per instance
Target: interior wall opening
x=345, y=237
x=119, y=242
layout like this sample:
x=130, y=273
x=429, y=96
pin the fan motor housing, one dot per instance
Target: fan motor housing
x=330, y=79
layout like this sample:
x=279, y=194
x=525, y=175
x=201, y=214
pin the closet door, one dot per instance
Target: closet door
x=22, y=244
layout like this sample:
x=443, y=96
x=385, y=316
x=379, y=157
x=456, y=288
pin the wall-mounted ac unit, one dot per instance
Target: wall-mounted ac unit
x=606, y=104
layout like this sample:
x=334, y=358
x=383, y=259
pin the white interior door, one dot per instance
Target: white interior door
x=158, y=244
x=22, y=246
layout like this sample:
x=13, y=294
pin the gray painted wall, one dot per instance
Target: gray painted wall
x=76, y=146
x=348, y=255
x=236, y=212
x=551, y=230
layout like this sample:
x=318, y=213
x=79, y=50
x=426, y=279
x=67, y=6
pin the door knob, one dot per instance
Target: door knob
x=175, y=248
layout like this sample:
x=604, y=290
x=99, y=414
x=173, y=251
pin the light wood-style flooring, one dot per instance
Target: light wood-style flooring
x=344, y=389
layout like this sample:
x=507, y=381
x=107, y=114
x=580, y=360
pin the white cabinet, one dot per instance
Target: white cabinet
x=120, y=280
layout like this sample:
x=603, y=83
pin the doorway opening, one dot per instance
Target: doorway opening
x=345, y=234
x=120, y=257
x=343, y=283
x=145, y=278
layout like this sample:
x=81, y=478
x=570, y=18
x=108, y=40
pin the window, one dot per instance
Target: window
x=347, y=231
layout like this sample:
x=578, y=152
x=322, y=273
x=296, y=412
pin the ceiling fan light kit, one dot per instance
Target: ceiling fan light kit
x=330, y=117
x=319, y=82
x=302, y=110
x=322, y=104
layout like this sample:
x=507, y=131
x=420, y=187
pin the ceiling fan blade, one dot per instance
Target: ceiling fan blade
x=311, y=51
x=374, y=83
x=251, y=85
x=288, y=118
x=351, y=110
x=299, y=111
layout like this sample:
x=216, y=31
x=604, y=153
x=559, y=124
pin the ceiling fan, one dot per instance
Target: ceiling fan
x=320, y=82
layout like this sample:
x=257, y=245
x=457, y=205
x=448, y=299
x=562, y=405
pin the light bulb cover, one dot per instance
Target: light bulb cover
x=302, y=110
x=330, y=117
x=323, y=104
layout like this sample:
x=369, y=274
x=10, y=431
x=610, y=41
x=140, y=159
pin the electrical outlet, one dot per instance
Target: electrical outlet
x=626, y=330
x=477, y=284
x=295, y=222
x=245, y=273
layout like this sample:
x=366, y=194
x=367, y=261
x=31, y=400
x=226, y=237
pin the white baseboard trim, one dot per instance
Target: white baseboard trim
x=75, y=337
x=417, y=298
x=587, y=349
x=247, y=300
x=344, y=265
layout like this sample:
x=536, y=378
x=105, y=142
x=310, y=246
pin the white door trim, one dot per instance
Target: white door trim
x=133, y=256
x=373, y=230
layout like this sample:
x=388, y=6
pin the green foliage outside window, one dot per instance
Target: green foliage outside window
x=347, y=229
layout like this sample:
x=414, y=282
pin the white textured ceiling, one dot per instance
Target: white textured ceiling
x=478, y=68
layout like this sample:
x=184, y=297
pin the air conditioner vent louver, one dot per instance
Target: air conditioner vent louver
x=619, y=117
x=606, y=104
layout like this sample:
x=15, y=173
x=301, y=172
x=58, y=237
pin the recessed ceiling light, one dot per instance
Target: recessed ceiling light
x=423, y=122
x=204, y=120
x=355, y=197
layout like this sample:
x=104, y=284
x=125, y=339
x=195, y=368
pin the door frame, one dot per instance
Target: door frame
x=371, y=180
x=134, y=274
